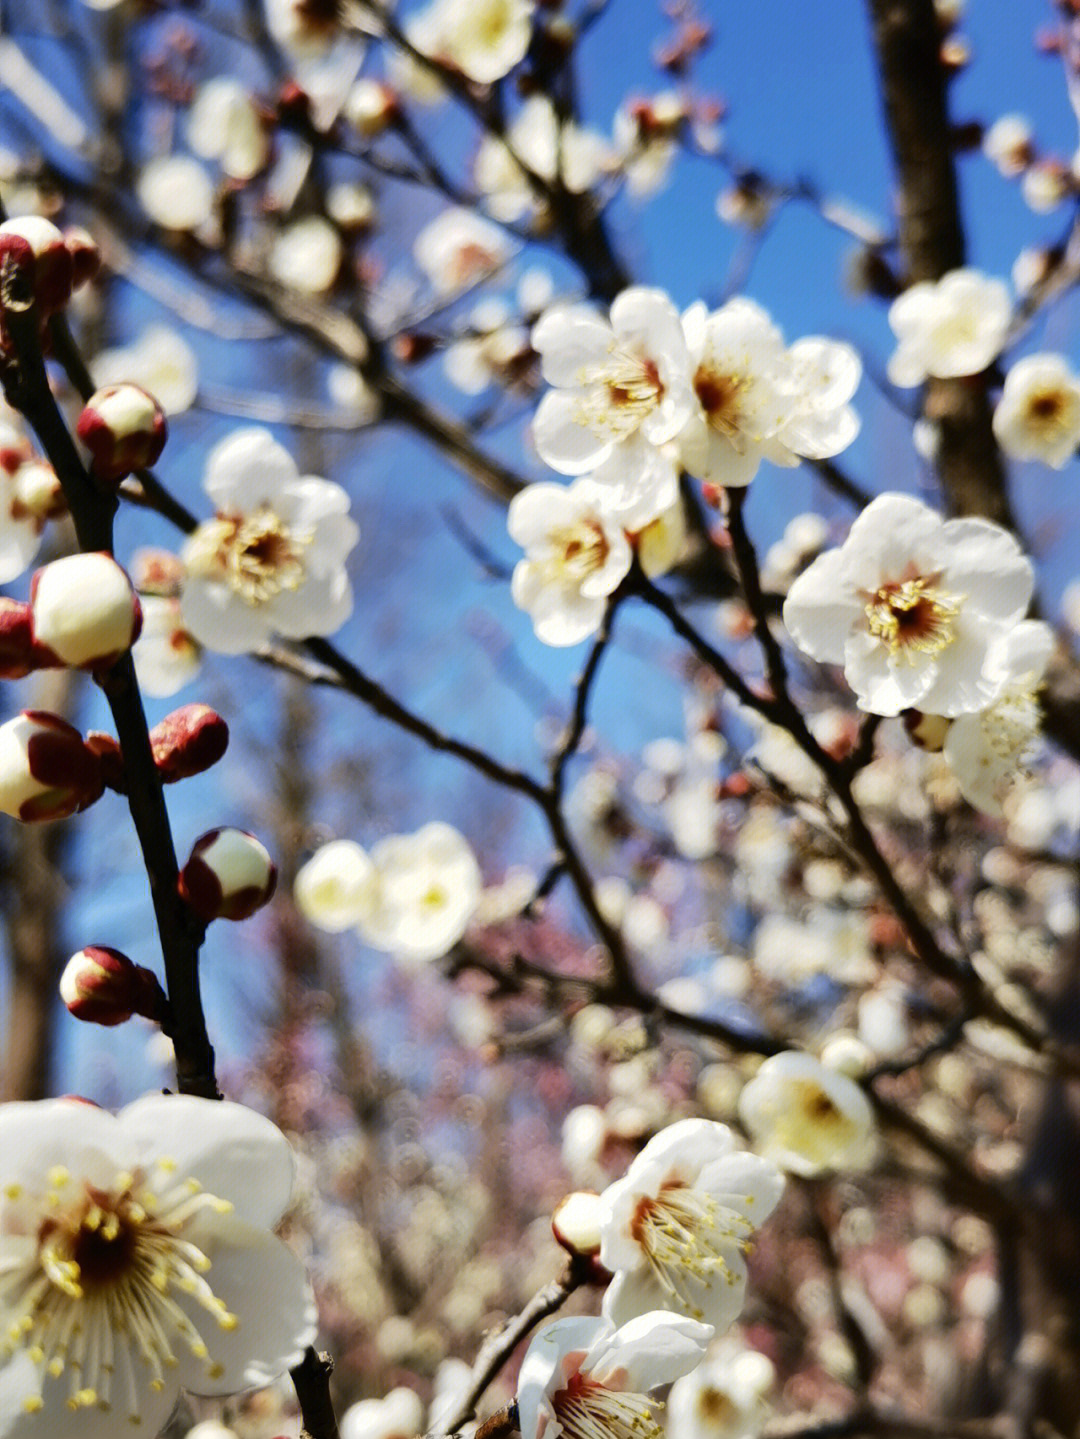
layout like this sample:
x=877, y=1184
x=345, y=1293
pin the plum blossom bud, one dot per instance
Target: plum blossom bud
x=37, y=492
x=124, y=429
x=102, y=986
x=85, y=255
x=84, y=610
x=576, y=1223
x=47, y=771
x=228, y=876
x=188, y=741
x=37, y=247
x=17, y=656
x=370, y=106
x=926, y=731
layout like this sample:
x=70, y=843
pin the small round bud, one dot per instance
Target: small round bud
x=38, y=491
x=85, y=255
x=229, y=875
x=17, y=657
x=927, y=731
x=847, y=1054
x=50, y=271
x=124, y=429
x=188, y=741
x=84, y=610
x=102, y=986
x=47, y=771
x=576, y=1223
x=370, y=106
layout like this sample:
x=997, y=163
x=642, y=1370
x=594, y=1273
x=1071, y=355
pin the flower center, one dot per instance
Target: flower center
x=256, y=555
x=1012, y=722
x=808, y=1122
x=913, y=617
x=586, y=1410
x=684, y=1234
x=1049, y=412
x=108, y=1288
x=577, y=550
x=719, y=393
x=715, y=1408
x=619, y=393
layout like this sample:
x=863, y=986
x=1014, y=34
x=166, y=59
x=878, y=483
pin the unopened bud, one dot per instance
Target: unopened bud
x=38, y=491
x=102, y=986
x=927, y=731
x=85, y=255
x=47, y=771
x=112, y=759
x=16, y=640
x=370, y=106
x=84, y=610
x=49, y=269
x=229, y=875
x=847, y=1054
x=576, y=1223
x=124, y=429
x=188, y=741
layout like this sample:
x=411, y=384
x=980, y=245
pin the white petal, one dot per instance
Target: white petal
x=544, y=1368
x=885, y=686
x=220, y=620
x=245, y=468
x=987, y=566
x=820, y=611
x=652, y=1349
x=562, y=440
x=570, y=338
x=719, y=1303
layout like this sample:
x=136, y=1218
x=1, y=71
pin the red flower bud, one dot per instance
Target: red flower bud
x=17, y=656
x=188, y=741
x=49, y=268
x=85, y=255
x=102, y=986
x=229, y=875
x=124, y=429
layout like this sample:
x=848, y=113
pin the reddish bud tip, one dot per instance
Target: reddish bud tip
x=102, y=986
x=124, y=429
x=188, y=741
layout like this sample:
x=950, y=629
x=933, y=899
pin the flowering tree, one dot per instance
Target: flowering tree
x=750, y=1054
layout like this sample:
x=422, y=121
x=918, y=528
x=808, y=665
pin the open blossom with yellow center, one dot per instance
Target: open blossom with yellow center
x=272, y=560
x=953, y=326
x=421, y=893
x=621, y=392
x=587, y=1379
x=136, y=1259
x=576, y=555
x=807, y=1117
x=758, y=400
x=676, y=1229
x=1038, y=415
x=910, y=605
x=724, y=1398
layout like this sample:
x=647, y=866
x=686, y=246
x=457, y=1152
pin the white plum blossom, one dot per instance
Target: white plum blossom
x=910, y=605
x=335, y=889
x=1007, y=143
x=724, y=1397
x=484, y=39
x=587, y=1379
x=806, y=1117
x=953, y=326
x=497, y=350
x=1038, y=415
x=166, y=657
x=224, y=125
x=548, y=148
x=426, y=887
x=675, y=1229
x=273, y=558
x=306, y=255
x=459, y=248
x=21, y=528
x=986, y=751
x=397, y=1415
x=757, y=399
x=621, y=392
x=160, y=360
x=176, y=192
x=136, y=1258
x=646, y=135
x=576, y=555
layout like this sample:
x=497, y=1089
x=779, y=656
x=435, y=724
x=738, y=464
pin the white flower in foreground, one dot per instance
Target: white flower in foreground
x=224, y=125
x=136, y=1258
x=986, y=751
x=159, y=360
x=674, y=1230
x=398, y=1415
x=548, y=148
x=807, y=1117
x=273, y=558
x=484, y=39
x=459, y=248
x=426, y=888
x=955, y=326
x=586, y=1379
x=724, y=1398
x=176, y=192
x=335, y=889
x=621, y=391
x=910, y=605
x=1038, y=415
x=757, y=399
x=306, y=256
x=576, y=555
